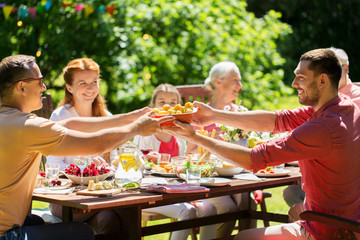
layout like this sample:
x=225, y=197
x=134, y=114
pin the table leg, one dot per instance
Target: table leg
x=131, y=222
x=67, y=214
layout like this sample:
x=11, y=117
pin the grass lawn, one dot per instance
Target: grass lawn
x=39, y=205
x=275, y=204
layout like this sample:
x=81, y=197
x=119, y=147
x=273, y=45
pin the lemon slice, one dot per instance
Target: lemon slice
x=130, y=164
x=131, y=185
x=128, y=158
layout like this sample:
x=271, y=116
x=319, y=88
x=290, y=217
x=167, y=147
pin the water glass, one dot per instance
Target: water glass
x=52, y=170
x=193, y=175
x=279, y=168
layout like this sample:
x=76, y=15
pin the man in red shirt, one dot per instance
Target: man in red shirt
x=324, y=139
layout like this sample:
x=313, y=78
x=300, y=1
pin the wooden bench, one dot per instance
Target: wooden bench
x=196, y=92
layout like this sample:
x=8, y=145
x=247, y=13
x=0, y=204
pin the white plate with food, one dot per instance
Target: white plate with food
x=57, y=185
x=163, y=174
x=214, y=181
x=279, y=173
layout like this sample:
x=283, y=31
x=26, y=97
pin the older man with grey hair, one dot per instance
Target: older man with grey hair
x=346, y=86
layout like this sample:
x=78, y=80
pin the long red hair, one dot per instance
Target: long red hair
x=99, y=104
x=80, y=64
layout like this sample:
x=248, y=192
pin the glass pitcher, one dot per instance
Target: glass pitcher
x=129, y=164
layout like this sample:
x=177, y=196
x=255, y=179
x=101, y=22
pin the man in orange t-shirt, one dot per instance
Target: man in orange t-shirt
x=25, y=137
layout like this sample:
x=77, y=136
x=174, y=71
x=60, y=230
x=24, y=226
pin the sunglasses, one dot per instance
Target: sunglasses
x=26, y=80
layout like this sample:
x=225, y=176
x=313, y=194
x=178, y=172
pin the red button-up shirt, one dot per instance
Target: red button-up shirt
x=327, y=145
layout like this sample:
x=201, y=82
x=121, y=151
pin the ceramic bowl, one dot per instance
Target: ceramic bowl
x=77, y=180
x=183, y=117
x=227, y=171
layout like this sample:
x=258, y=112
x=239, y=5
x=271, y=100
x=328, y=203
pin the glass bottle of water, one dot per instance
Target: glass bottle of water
x=129, y=164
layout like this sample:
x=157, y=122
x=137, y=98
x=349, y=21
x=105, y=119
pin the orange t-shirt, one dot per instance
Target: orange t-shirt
x=24, y=137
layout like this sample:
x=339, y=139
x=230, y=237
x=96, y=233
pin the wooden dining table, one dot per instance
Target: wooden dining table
x=133, y=201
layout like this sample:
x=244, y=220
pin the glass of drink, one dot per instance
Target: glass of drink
x=193, y=175
x=164, y=159
x=145, y=147
x=279, y=168
x=146, y=151
x=52, y=170
x=82, y=162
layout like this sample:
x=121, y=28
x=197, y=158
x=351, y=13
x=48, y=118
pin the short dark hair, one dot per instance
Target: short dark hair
x=323, y=60
x=12, y=69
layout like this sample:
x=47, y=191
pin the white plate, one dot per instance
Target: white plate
x=64, y=185
x=214, y=182
x=163, y=174
x=54, y=191
x=277, y=174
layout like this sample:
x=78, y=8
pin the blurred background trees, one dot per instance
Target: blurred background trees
x=140, y=44
x=315, y=24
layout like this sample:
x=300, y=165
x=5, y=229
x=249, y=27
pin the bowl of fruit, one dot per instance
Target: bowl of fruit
x=91, y=172
x=181, y=163
x=181, y=113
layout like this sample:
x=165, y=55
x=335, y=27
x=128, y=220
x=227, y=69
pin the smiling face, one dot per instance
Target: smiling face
x=163, y=98
x=230, y=85
x=306, y=83
x=85, y=86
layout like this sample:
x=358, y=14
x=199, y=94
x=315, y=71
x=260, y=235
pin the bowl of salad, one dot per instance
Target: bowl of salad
x=181, y=163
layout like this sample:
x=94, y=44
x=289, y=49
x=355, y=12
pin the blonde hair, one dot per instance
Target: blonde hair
x=99, y=104
x=167, y=88
x=219, y=70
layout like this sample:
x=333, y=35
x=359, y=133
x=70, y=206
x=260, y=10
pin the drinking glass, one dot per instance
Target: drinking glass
x=164, y=159
x=193, y=175
x=145, y=147
x=279, y=168
x=82, y=162
x=52, y=170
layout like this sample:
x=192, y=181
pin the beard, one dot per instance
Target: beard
x=311, y=98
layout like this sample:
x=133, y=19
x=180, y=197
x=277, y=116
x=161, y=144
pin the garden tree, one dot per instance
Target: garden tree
x=146, y=43
x=316, y=24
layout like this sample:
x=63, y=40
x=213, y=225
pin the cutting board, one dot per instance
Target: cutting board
x=100, y=193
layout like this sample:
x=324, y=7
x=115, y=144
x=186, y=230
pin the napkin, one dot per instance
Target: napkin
x=153, y=181
x=247, y=176
x=180, y=188
x=53, y=191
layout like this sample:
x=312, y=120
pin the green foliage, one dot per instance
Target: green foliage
x=147, y=43
x=315, y=24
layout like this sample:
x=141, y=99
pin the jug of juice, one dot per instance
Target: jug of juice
x=129, y=164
